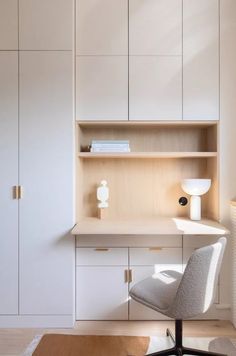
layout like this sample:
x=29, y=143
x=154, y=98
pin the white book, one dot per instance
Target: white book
x=110, y=142
x=110, y=150
x=110, y=146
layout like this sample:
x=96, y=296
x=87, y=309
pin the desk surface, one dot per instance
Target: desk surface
x=149, y=226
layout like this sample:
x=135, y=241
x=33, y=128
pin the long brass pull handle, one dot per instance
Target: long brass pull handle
x=101, y=249
x=155, y=249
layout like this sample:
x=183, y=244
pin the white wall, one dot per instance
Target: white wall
x=227, y=127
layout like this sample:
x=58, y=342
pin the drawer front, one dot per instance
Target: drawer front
x=103, y=256
x=168, y=257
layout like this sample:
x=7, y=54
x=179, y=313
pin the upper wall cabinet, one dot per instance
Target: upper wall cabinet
x=155, y=88
x=102, y=88
x=8, y=178
x=201, y=59
x=155, y=27
x=46, y=24
x=102, y=27
x=8, y=24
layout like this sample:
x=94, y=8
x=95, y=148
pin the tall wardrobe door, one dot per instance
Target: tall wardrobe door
x=46, y=216
x=8, y=178
x=201, y=59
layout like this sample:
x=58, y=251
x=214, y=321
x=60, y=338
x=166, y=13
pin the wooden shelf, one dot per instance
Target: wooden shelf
x=149, y=226
x=146, y=154
x=164, y=123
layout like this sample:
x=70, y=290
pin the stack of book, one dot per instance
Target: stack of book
x=110, y=146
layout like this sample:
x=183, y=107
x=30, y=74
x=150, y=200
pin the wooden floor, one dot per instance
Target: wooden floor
x=14, y=341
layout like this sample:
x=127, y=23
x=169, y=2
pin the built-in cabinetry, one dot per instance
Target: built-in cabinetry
x=145, y=186
x=107, y=267
x=8, y=179
x=36, y=153
x=147, y=181
x=147, y=60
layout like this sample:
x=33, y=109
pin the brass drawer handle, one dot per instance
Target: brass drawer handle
x=155, y=248
x=101, y=249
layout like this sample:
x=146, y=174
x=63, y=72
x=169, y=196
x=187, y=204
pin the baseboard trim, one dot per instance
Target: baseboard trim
x=37, y=321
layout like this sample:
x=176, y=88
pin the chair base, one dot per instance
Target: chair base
x=179, y=349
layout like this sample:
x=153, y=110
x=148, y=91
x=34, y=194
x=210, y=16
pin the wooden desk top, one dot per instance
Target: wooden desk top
x=149, y=226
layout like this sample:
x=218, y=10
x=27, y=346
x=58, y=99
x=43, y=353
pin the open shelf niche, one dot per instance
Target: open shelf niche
x=147, y=181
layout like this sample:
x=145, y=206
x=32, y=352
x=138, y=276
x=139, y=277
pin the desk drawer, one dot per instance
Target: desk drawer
x=169, y=258
x=104, y=256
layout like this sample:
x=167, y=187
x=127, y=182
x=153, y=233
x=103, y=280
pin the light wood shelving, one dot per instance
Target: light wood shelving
x=147, y=155
x=147, y=181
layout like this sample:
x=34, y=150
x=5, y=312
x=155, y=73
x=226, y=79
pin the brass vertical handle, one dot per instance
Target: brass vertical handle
x=126, y=276
x=130, y=275
x=17, y=192
x=20, y=194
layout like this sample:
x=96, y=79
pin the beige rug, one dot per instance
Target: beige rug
x=78, y=345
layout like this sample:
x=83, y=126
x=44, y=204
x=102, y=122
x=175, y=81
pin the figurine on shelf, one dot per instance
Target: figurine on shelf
x=102, y=196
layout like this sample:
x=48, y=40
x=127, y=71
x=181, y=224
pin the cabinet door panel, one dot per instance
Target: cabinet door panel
x=102, y=27
x=201, y=60
x=155, y=27
x=138, y=311
x=8, y=178
x=102, y=88
x=167, y=258
x=46, y=174
x=155, y=88
x=8, y=24
x=190, y=244
x=46, y=24
x=101, y=293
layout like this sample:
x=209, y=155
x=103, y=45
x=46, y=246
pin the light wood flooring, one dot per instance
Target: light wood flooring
x=14, y=341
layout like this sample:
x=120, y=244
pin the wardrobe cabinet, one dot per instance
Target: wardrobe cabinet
x=155, y=88
x=45, y=24
x=165, y=54
x=155, y=27
x=46, y=175
x=102, y=27
x=8, y=25
x=200, y=59
x=102, y=88
x=8, y=179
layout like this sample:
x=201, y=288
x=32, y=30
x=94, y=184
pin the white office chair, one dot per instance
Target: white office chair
x=183, y=296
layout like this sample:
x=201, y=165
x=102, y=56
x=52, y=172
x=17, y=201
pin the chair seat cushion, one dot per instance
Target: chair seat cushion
x=157, y=291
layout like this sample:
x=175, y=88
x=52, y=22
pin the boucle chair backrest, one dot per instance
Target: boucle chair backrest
x=197, y=288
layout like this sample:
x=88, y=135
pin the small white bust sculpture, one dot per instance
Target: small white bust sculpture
x=103, y=195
